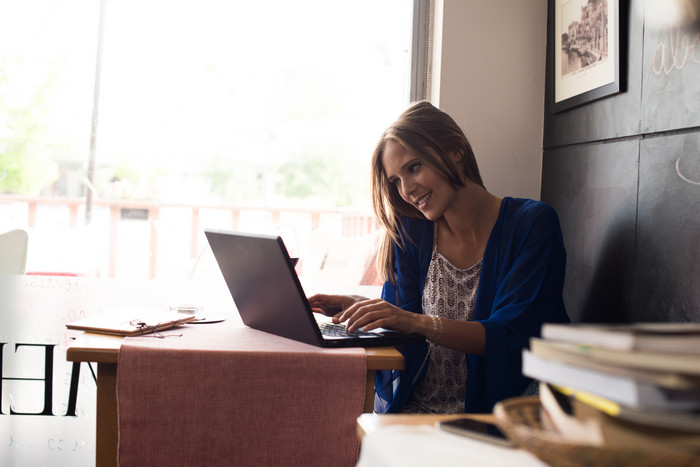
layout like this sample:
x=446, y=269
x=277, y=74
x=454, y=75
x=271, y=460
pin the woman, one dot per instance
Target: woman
x=475, y=273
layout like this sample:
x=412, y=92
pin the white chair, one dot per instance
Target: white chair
x=13, y=252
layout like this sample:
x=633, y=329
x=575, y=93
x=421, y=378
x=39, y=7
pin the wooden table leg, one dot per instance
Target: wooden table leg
x=106, y=419
x=369, y=392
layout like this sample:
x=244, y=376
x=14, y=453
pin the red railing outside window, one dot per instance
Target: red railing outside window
x=184, y=222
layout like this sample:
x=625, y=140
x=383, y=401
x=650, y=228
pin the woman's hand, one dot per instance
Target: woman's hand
x=360, y=312
x=376, y=313
x=331, y=305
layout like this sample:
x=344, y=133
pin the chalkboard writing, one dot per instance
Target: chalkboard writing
x=673, y=54
x=683, y=177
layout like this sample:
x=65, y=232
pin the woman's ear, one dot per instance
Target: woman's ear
x=459, y=151
x=458, y=159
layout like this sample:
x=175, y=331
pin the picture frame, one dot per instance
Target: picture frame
x=584, y=37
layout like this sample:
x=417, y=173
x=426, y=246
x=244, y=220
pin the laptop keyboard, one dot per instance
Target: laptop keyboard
x=339, y=330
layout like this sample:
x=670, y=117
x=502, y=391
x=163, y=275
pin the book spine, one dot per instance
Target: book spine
x=604, y=405
x=621, y=390
x=590, y=337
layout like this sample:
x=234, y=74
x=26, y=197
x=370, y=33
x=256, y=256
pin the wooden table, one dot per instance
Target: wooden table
x=417, y=446
x=104, y=350
x=369, y=422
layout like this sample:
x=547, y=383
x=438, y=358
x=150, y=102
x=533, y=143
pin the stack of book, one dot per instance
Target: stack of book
x=628, y=386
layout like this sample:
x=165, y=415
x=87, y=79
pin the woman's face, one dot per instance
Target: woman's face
x=417, y=182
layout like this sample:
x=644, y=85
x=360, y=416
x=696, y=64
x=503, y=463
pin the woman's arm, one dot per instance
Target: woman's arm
x=464, y=336
x=467, y=337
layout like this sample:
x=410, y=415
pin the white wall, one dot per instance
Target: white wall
x=488, y=74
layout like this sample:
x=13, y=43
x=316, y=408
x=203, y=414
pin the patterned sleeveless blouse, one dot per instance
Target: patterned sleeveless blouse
x=449, y=292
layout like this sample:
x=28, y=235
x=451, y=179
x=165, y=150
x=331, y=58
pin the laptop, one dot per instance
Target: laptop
x=266, y=290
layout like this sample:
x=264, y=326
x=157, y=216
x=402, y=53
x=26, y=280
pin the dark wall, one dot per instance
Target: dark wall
x=623, y=173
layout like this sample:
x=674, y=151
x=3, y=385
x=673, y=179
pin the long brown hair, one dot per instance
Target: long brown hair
x=432, y=136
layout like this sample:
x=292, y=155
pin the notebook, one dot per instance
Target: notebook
x=131, y=322
x=266, y=290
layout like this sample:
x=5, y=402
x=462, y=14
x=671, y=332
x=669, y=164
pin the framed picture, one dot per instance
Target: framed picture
x=586, y=50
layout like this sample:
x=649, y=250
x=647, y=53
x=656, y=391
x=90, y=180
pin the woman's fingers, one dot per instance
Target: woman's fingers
x=370, y=314
x=331, y=305
x=328, y=305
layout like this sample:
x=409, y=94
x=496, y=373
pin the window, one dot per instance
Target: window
x=128, y=126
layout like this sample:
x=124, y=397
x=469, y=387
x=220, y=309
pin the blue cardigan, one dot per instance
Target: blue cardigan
x=522, y=278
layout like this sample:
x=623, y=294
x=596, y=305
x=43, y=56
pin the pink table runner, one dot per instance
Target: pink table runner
x=225, y=394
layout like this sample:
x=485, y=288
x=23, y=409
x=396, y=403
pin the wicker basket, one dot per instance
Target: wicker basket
x=519, y=418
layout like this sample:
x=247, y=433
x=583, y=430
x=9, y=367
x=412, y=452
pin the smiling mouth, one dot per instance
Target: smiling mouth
x=423, y=200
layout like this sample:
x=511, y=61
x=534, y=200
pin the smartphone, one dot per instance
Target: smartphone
x=476, y=429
